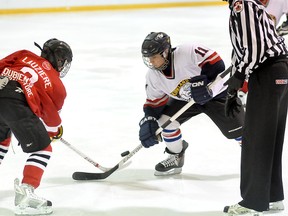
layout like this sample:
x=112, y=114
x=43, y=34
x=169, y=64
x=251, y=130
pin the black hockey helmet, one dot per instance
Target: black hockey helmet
x=156, y=43
x=58, y=53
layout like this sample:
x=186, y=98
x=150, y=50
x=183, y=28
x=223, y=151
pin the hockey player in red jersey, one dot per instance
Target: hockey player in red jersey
x=179, y=74
x=31, y=97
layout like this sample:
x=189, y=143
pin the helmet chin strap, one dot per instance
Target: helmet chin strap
x=164, y=65
x=166, y=55
x=37, y=45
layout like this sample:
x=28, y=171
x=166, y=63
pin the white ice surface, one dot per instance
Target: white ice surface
x=104, y=105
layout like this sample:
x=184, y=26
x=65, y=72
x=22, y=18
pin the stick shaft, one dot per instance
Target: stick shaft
x=104, y=169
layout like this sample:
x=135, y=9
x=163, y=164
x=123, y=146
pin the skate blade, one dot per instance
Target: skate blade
x=173, y=171
x=47, y=210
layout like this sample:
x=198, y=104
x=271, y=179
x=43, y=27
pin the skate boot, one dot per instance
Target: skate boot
x=28, y=203
x=173, y=164
x=276, y=207
x=237, y=209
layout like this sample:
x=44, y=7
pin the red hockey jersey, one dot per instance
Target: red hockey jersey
x=40, y=82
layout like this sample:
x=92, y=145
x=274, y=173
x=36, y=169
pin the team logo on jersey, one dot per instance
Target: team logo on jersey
x=238, y=6
x=176, y=91
x=46, y=65
x=265, y=2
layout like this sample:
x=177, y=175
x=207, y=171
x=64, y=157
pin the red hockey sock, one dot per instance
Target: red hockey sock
x=4, y=146
x=35, y=166
x=6, y=142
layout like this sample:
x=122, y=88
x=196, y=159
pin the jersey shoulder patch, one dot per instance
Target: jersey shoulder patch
x=238, y=6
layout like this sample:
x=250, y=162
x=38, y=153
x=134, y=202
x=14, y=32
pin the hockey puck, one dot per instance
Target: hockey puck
x=123, y=154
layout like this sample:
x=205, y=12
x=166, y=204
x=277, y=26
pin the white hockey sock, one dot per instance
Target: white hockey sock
x=173, y=140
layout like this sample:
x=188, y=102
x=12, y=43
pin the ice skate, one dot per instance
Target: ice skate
x=173, y=164
x=276, y=207
x=28, y=203
x=237, y=209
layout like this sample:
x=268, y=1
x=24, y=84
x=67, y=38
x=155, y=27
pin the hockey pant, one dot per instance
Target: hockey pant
x=230, y=128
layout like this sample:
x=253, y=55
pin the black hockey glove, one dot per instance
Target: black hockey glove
x=283, y=29
x=233, y=103
x=147, y=134
x=199, y=90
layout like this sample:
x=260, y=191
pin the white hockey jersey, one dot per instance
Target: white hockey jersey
x=187, y=62
x=276, y=8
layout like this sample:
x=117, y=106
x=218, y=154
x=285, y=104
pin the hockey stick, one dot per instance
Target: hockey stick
x=104, y=169
x=98, y=176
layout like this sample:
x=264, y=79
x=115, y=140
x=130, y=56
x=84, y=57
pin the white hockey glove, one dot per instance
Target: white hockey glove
x=3, y=81
x=283, y=29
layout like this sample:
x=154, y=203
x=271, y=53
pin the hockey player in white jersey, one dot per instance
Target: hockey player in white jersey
x=175, y=76
x=277, y=9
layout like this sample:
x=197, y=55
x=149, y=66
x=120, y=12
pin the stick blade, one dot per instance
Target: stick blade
x=86, y=176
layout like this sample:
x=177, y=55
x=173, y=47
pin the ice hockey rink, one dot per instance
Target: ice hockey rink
x=106, y=93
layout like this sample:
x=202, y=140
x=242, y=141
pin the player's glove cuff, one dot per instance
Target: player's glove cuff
x=57, y=135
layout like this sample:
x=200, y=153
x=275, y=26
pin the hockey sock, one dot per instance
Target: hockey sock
x=239, y=140
x=173, y=140
x=35, y=166
x=4, y=146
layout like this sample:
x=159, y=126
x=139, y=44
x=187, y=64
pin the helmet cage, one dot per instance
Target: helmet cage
x=156, y=43
x=65, y=68
x=164, y=55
